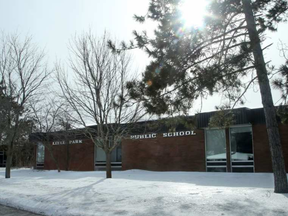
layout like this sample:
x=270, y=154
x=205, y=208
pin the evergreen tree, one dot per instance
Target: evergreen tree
x=190, y=63
x=9, y=110
x=282, y=85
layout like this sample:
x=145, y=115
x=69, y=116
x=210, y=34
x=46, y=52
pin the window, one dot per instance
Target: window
x=119, y=154
x=242, y=158
x=2, y=159
x=241, y=149
x=116, y=155
x=40, y=153
x=100, y=155
x=216, y=150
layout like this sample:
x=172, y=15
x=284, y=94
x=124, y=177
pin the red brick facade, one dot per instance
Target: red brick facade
x=81, y=157
x=262, y=156
x=185, y=153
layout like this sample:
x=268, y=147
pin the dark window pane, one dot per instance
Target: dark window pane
x=241, y=143
x=119, y=154
x=242, y=169
x=216, y=163
x=241, y=149
x=216, y=169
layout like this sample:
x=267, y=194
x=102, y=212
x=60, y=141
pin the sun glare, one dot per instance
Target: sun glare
x=193, y=12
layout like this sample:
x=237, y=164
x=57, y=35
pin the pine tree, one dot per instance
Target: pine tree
x=281, y=84
x=189, y=63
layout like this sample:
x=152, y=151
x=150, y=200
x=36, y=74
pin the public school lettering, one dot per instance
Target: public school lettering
x=170, y=134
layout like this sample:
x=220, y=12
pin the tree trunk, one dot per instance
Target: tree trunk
x=8, y=163
x=67, y=155
x=108, y=165
x=10, y=150
x=278, y=164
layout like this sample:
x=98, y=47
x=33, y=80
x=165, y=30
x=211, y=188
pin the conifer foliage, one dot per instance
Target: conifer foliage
x=225, y=56
x=281, y=83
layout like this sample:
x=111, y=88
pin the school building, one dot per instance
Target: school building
x=240, y=147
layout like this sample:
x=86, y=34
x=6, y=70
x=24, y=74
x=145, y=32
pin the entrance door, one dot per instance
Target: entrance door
x=241, y=149
x=242, y=157
x=216, y=157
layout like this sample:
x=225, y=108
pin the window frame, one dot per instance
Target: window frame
x=252, y=140
x=224, y=166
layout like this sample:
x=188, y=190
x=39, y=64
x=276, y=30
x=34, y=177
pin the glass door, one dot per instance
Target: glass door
x=216, y=157
x=242, y=157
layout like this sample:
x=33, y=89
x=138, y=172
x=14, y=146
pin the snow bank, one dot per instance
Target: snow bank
x=137, y=192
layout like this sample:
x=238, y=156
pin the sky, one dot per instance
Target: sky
x=52, y=23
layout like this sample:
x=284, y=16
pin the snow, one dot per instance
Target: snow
x=137, y=192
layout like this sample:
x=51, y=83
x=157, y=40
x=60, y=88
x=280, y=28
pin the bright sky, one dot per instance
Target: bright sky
x=194, y=15
x=53, y=22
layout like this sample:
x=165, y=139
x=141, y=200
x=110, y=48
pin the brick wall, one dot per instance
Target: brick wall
x=262, y=156
x=81, y=157
x=165, y=154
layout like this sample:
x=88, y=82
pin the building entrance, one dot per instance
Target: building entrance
x=229, y=150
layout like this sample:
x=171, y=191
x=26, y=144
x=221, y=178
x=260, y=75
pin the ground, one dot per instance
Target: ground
x=137, y=192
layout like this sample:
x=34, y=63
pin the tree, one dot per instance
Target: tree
x=23, y=71
x=97, y=93
x=5, y=104
x=281, y=84
x=46, y=114
x=23, y=151
x=191, y=63
x=52, y=123
x=64, y=123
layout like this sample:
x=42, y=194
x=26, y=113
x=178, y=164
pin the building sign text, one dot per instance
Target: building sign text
x=170, y=134
x=70, y=142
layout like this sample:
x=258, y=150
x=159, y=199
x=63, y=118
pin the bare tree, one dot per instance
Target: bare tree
x=45, y=117
x=52, y=123
x=97, y=93
x=23, y=71
x=67, y=132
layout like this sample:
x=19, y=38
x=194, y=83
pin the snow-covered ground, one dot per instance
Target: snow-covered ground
x=142, y=193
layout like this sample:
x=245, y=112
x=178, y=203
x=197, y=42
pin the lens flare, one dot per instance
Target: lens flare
x=149, y=82
x=193, y=12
